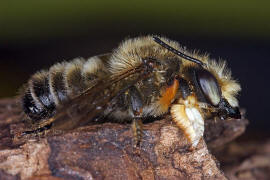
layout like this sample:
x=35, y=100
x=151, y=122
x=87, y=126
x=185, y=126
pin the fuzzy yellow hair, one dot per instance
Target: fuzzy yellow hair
x=131, y=51
x=228, y=85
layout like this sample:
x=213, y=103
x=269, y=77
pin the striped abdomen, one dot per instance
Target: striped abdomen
x=48, y=89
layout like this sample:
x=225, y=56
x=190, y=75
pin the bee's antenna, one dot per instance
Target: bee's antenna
x=163, y=44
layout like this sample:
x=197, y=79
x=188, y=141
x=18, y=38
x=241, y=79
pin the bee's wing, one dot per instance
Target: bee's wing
x=90, y=104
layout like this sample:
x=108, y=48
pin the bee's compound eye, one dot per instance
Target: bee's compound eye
x=209, y=86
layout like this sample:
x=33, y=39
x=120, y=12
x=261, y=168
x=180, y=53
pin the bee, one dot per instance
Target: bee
x=143, y=77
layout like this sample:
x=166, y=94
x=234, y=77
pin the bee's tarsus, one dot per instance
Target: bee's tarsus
x=137, y=129
x=38, y=130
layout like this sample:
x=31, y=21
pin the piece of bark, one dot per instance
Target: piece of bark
x=106, y=151
x=246, y=160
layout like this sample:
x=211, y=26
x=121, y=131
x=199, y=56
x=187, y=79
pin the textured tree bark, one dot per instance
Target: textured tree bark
x=105, y=151
x=246, y=160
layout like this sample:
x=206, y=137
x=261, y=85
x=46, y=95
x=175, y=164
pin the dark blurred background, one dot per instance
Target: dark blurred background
x=36, y=34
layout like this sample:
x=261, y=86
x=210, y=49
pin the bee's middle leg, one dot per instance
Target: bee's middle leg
x=136, y=104
x=137, y=129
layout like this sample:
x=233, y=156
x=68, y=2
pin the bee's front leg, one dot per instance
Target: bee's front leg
x=187, y=116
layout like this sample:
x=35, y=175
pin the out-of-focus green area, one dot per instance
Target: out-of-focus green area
x=34, y=19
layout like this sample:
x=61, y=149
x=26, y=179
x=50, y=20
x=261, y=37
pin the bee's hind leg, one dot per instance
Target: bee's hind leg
x=37, y=131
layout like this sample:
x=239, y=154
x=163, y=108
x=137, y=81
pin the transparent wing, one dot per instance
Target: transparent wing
x=91, y=104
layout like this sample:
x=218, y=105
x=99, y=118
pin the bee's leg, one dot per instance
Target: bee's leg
x=188, y=118
x=38, y=130
x=137, y=129
x=136, y=104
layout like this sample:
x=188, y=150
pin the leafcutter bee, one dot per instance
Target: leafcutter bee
x=143, y=77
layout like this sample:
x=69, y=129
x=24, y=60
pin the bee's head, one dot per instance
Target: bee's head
x=211, y=83
x=218, y=91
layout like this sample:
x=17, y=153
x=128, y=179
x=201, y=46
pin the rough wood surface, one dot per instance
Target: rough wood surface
x=105, y=151
x=246, y=160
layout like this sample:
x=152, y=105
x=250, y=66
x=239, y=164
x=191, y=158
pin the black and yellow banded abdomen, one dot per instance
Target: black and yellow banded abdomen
x=46, y=90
